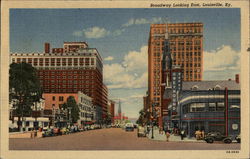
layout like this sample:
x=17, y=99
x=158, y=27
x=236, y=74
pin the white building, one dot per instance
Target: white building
x=29, y=123
x=87, y=110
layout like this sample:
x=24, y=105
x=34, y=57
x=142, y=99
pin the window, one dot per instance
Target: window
x=60, y=98
x=220, y=106
x=53, y=98
x=194, y=88
x=217, y=87
x=197, y=107
x=211, y=106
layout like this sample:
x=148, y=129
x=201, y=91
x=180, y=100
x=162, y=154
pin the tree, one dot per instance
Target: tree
x=73, y=106
x=143, y=117
x=25, y=89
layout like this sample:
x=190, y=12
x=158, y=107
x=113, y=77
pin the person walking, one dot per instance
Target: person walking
x=202, y=134
x=182, y=134
x=167, y=135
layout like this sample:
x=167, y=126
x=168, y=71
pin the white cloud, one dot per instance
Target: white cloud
x=118, y=32
x=109, y=58
x=140, y=21
x=78, y=33
x=131, y=73
x=95, y=32
x=223, y=58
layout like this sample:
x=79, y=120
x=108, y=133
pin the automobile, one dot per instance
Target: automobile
x=238, y=138
x=129, y=127
x=217, y=136
x=47, y=132
x=57, y=131
x=64, y=131
x=92, y=127
x=141, y=131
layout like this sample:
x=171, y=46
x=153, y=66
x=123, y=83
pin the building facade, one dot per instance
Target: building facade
x=210, y=106
x=79, y=68
x=111, y=110
x=185, y=42
x=87, y=109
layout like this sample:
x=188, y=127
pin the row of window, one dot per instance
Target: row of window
x=66, y=72
x=196, y=42
x=186, y=53
x=202, y=107
x=86, y=115
x=57, y=61
x=185, y=30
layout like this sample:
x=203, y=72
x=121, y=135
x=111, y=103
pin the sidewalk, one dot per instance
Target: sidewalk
x=23, y=134
x=162, y=137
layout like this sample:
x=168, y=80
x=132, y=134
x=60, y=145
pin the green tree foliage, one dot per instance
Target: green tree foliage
x=25, y=89
x=143, y=118
x=72, y=105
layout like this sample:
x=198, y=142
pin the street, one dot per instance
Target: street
x=110, y=139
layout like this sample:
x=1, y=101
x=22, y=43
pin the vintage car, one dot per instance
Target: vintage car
x=238, y=138
x=47, y=132
x=129, y=127
x=217, y=136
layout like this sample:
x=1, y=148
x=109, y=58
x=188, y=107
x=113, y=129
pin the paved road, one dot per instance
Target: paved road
x=110, y=139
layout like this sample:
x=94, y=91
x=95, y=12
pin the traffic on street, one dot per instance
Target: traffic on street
x=111, y=139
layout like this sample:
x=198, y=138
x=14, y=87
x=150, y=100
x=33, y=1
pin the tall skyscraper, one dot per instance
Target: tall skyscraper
x=185, y=43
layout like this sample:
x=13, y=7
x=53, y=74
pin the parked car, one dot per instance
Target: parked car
x=64, y=131
x=47, y=132
x=238, y=138
x=141, y=131
x=217, y=136
x=57, y=131
x=129, y=127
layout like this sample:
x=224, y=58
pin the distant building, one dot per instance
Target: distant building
x=57, y=50
x=111, y=110
x=74, y=46
x=47, y=48
x=105, y=101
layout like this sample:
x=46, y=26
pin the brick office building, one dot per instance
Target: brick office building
x=185, y=44
x=69, y=72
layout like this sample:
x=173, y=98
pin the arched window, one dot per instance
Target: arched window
x=195, y=87
x=217, y=87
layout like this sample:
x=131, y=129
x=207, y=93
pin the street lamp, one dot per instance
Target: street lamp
x=69, y=108
x=152, y=121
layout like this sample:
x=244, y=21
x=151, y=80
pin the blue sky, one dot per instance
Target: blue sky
x=121, y=36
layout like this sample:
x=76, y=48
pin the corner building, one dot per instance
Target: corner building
x=68, y=72
x=186, y=47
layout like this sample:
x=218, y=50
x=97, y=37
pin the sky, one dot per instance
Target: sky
x=121, y=36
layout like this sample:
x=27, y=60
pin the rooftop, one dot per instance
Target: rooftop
x=206, y=85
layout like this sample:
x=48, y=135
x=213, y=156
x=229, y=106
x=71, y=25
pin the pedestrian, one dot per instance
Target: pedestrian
x=197, y=135
x=182, y=134
x=160, y=130
x=31, y=134
x=167, y=135
x=148, y=129
x=202, y=134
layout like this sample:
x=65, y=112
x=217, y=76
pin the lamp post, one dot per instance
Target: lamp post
x=69, y=108
x=152, y=121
